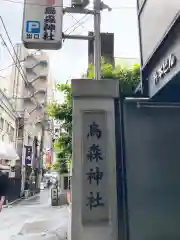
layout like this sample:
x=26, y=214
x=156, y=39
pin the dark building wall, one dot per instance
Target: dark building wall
x=155, y=18
x=107, y=48
x=152, y=171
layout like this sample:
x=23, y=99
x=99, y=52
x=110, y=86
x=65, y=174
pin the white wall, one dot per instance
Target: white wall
x=93, y=96
x=7, y=120
x=155, y=20
x=7, y=123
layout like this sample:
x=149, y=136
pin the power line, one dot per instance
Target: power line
x=77, y=21
x=15, y=65
x=5, y=68
x=17, y=58
x=11, y=55
x=76, y=25
x=4, y=77
x=124, y=7
x=34, y=4
x=13, y=58
x=11, y=1
x=80, y=24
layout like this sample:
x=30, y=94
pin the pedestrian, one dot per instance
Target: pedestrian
x=4, y=185
x=26, y=186
x=48, y=183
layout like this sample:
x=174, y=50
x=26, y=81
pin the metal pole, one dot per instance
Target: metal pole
x=41, y=150
x=97, y=39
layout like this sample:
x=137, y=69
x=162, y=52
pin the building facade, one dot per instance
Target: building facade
x=8, y=124
x=159, y=23
x=107, y=48
x=8, y=138
x=29, y=90
x=56, y=135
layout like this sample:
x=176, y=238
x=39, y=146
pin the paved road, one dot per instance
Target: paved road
x=33, y=217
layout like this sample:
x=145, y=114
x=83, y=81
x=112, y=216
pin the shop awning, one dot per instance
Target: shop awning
x=7, y=151
x=4, y=167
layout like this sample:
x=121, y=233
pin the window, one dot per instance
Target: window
x=5, y=126
x=1, y=122
x=8, y=127
x=29, y=140
x=44, y=63
x=20, y=132
x=56, y=130
x=11, y=139
x=66, y=181
x=11, y=133
x=43, y=78
x=29, y=69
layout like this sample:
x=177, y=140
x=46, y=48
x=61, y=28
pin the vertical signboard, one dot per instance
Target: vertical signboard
x=47, y=158
x=42, y=24
x=94, y=170
x=28, y=155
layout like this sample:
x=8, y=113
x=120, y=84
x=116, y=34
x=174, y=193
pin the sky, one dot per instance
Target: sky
x=71, y=61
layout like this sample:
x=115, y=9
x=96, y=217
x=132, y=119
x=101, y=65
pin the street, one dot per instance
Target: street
x=34, y=219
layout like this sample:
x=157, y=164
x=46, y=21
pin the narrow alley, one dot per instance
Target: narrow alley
x=34, y=219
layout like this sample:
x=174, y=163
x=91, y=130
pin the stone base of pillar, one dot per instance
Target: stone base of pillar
x=94, y=199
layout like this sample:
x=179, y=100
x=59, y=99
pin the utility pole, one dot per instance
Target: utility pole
x=41, y=151
x=78, y=6
x=97, y=39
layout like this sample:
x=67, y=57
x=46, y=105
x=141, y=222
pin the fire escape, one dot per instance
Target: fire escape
x=35, y=98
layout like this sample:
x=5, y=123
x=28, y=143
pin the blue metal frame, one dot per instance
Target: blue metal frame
x=123, y=227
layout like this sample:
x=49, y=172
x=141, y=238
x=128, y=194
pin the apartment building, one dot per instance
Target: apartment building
x=8, y=125
x=7, y=121
x=28, y=92
x=159, y=24
x=107, y=48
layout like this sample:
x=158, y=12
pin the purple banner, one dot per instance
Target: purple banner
x=28, y=155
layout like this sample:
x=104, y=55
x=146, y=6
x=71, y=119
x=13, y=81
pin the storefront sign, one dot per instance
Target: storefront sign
x=166, y=67
x=42, y=24
x=54, y=193
x=95, y=204
x=48, y=157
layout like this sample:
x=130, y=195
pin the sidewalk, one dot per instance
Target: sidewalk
x=19, y=199
x=34, y=219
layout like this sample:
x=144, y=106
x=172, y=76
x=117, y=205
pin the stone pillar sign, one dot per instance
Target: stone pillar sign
x=94, y=198
x=94, y=168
